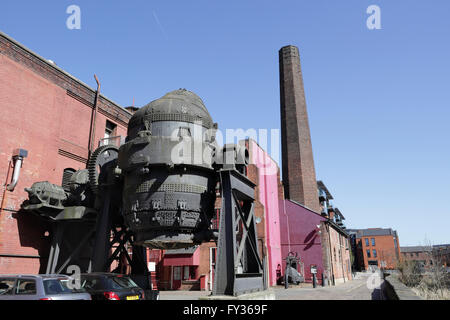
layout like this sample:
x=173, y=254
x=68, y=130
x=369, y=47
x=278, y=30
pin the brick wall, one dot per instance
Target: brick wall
x=339, y=255
x=299, y=177
x=385, y=251
x=48, y=113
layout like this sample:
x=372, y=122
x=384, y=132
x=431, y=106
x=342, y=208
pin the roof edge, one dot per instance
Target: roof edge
x=4, y=35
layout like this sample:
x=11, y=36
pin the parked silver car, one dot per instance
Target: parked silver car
x=39, y=287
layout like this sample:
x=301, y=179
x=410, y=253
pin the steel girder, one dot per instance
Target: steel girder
x=239, y=268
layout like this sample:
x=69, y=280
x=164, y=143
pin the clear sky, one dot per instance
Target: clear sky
x=378, y=100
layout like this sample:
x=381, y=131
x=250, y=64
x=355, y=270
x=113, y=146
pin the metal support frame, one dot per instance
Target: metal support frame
x=102, y=237
x=95, y=243
x=239, y=269
x=69, y=247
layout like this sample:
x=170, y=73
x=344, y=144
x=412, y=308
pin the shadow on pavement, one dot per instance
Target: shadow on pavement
x=376, y=294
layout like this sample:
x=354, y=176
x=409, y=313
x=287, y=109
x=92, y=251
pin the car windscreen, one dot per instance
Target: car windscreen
x=60, y=286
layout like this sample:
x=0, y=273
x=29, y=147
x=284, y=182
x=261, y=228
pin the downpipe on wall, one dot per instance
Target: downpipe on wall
x=18, y=156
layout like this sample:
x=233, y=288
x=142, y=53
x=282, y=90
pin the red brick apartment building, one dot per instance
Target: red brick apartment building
x=423, y=255
x=375, y=247
x=47, y=112
x=427, y=256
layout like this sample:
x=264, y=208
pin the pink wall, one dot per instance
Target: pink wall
x=299, y=233
x=268, y=197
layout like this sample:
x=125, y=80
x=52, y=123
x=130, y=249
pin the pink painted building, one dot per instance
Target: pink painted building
x=318, y=241
x=301, y=235
x=267, y=178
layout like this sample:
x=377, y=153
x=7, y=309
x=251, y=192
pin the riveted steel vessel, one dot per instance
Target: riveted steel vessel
x=167, y=165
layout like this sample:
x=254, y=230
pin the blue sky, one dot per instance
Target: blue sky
x=378, y=100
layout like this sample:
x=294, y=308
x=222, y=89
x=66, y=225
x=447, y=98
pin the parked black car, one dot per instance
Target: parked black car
x=111, y=286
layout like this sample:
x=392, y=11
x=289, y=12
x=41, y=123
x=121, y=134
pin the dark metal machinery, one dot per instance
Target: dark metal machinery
x=291, y=273
x=239, y=268
x=156, y=191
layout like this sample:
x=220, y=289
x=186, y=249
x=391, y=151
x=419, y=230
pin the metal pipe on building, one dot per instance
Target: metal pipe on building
x=7, y=255
x=15, y=178
x=342, y=256
x=327, y=227
x=93, y=118
x=18, y=156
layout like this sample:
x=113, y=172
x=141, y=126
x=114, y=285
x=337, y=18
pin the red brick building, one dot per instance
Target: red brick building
x=48, y=112
x=427, y=256
x=375, y=247
x=421, y=254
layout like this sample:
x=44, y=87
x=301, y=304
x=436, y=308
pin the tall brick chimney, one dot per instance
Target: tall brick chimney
x=299, y=176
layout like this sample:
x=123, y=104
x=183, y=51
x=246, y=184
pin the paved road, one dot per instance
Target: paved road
x=365, y=286
x=182, y=295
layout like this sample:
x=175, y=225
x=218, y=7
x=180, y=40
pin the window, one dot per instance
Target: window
x=26, y=287
x=193, y=272
x=373, y=241
x=90, y=283
x=368, y=253
x=110, y=131
x=176, y=273
x=123, y=282
x=367, y=242
x=374, y=253
x=55, y=286
x=6, y=286
x=186, y=273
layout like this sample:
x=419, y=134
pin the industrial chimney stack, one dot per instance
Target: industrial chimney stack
x=299, y=176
